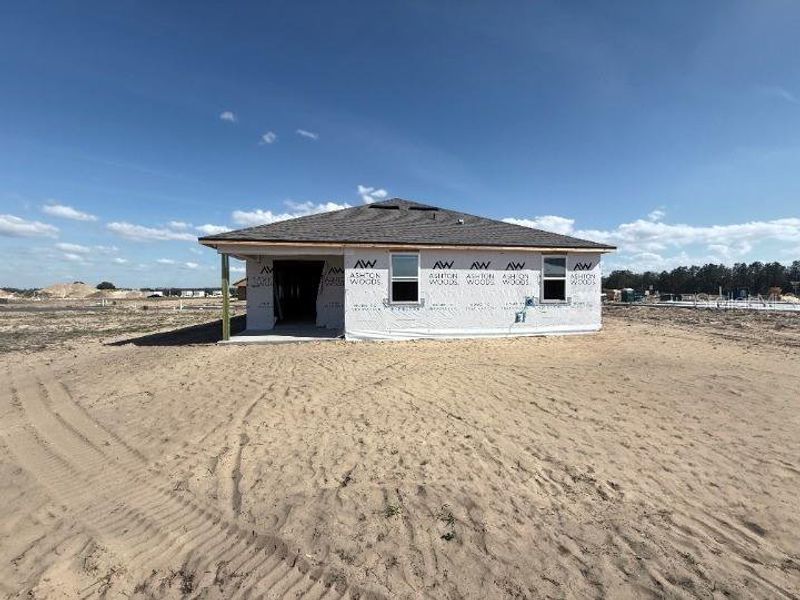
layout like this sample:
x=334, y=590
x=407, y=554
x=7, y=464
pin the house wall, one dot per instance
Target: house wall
x=260, y=297
x=469, y=294
x=330, y=298
x=260, y=300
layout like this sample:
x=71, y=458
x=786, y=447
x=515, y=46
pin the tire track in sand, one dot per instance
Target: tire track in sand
x=236, y=468
x=106, y=486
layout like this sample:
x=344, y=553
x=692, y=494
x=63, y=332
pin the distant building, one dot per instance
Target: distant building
x=241, y=288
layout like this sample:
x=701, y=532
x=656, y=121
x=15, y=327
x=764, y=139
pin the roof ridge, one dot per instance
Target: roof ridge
x=398, y=200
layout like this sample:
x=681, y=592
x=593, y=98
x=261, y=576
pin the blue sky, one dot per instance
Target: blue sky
x=670, y=129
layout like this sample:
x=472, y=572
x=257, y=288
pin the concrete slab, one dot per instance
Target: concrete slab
x=285, y=334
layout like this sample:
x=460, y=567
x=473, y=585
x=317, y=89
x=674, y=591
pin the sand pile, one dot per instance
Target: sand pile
x=6, y=294
x=117, y=294
x=82, y=290
x=68, y=290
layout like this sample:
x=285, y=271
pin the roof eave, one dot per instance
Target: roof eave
x=212, y=242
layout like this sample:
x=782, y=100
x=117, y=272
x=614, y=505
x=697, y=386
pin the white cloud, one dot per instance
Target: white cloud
x=653, y=261
x=72, y=257
x=269, y=138
x=310, y=208
x=179, y=225
x=644, y=235
x=297, y=209
x=656, y=215
x=208, y=229
x=371, y=194
x=652, y=244
x=120, y=261
x=308, y=134
x=228, y=116
x=185, y=265
x=720, y=249
x=140, y=232
x=75, y=248
x=67, y=212
x=548, y=223
x=80, y=249
x=11, y=226
x=235, y=269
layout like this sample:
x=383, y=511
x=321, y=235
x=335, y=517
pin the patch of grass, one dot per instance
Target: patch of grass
x=392, y=510
x=446, y=516
x=347, y=557
x=187, y=582
x=348, y=477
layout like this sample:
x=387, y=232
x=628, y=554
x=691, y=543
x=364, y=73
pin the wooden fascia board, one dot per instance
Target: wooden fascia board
x=220, y=245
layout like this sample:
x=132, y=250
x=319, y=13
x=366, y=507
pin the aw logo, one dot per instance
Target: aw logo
x=515, y=266
x=480, y=266
x=587, y=266
x=263, y=279
x=365, y=264
x=442, y=264
x=336, y=271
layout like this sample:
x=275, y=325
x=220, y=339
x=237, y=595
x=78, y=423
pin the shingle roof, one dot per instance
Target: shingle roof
x=398, y=221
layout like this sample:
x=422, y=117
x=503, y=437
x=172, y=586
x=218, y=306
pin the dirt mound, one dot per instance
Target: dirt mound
x=82, y=290
x=117, y=294
x=68, y=290
x=6, y=294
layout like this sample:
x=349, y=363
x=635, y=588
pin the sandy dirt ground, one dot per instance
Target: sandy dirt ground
x=28, y=326
x=658, y=458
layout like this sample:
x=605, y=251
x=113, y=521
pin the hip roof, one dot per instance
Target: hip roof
x=402, y=222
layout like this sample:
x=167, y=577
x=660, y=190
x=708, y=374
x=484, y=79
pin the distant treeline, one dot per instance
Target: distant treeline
x=21, y=291
x=755, y=278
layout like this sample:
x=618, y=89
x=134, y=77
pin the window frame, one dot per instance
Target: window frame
x=416, y=279
x=554, y=278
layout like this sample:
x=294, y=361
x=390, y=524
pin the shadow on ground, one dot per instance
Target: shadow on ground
x=205, y=333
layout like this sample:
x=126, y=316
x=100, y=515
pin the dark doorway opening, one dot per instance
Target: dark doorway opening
x=296, y=284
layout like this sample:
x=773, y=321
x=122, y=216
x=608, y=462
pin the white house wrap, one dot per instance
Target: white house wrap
x=330, y=300
x=401, y=270
x=469, y=294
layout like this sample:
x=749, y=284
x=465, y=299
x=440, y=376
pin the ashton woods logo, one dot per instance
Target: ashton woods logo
x=479, y=266
x=265, y=270
x=335, y=271
x=587, y=266
x=365, y=264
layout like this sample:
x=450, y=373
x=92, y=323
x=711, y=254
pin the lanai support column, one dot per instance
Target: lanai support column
x=226, y=304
